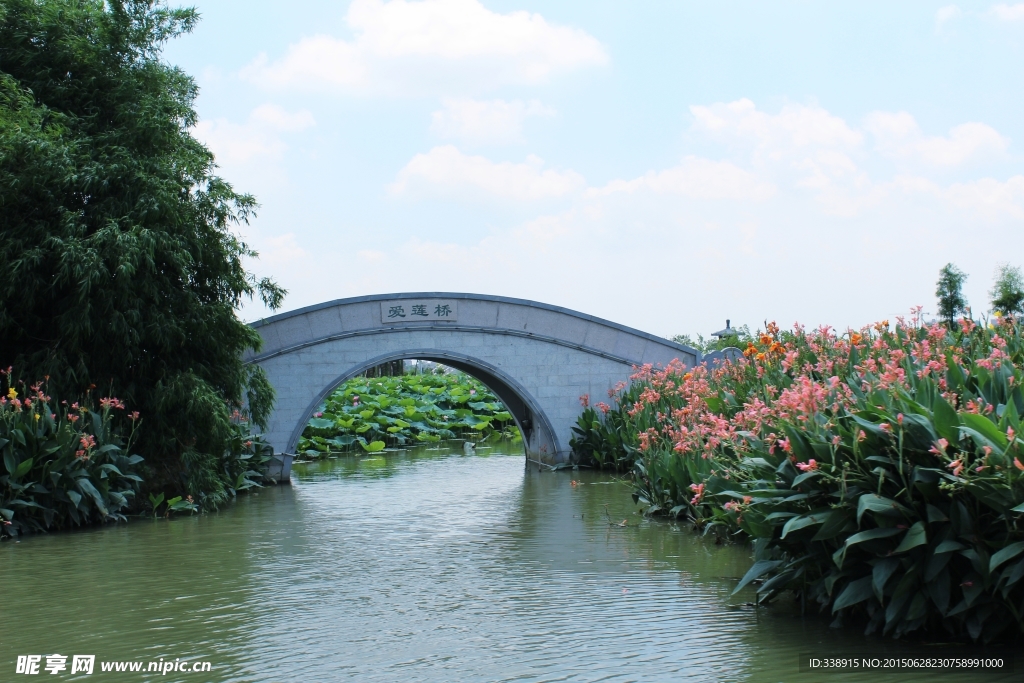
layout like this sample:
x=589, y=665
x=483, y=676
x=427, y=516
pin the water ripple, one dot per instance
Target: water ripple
x=429, y=567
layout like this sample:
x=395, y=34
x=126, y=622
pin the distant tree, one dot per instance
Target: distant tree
x=707, y=345
x=1008, y=291
x=949, y=291
x=119, y=265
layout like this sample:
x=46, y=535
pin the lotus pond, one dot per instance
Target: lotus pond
x=369, y=414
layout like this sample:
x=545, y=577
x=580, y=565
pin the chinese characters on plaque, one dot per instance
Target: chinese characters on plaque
x=416, y=310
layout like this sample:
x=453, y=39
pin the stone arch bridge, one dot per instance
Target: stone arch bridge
x=539, y=359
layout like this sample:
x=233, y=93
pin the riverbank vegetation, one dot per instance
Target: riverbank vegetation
x=878, y=472
x=369, y=414
x=121, y=266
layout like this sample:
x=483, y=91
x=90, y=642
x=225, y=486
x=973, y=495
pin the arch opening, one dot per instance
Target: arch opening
x=538, y=435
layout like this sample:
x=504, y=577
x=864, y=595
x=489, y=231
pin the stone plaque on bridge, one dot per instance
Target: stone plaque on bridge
x=416, y=310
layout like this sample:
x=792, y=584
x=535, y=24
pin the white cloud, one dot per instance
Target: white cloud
x=405, y=47
x=696, y=178
x=808, y=201
x=258, y=138
x=280, y=250
x=1005, y=12
x=946, y=14
x=446, y=170
x=989, y=196
x=495, y=122
x=796, y=128
x=803, y=145
x=898, y=135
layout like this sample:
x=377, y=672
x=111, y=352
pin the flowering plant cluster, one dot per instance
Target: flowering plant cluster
x=880, y=472
x=63, y=465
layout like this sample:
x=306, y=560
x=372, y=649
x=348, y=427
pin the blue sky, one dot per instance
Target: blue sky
x=666, y=165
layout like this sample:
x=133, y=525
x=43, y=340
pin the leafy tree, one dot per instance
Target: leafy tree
x=1008, y=291
x=949, y=291
x=120, y=267
x=707, y=345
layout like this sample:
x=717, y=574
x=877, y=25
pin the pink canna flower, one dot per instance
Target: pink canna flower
x=698, y=489
x=808, y=466
x=939, y=448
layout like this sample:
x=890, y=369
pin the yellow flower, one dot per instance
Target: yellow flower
x=38, y=416
x=12, y=394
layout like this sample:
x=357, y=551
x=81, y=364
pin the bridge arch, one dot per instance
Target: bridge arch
x=537, y=358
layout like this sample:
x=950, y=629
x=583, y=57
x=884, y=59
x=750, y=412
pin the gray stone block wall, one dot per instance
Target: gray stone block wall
x=547, y=356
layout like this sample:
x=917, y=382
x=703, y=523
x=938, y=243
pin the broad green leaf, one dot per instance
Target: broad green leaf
x=948, y=547
x=985, y=427
x=835, y=525
x=805, y=521
x=946, y=421
x=857, y=591
x=373, y=446
x=839, y=556
x=881, y=573
x=916, y=535
x=1008, y=553
x=760, y=568
x=23, y=468
x=86, y=487
x=879, y=505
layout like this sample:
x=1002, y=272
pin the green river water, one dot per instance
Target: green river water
x=426, y=565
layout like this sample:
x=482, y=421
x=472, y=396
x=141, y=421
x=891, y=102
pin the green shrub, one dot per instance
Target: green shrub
x=880, y=473
x=63, y=466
